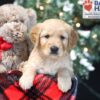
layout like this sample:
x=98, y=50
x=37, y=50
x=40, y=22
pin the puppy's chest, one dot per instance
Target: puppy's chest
x=50, y=68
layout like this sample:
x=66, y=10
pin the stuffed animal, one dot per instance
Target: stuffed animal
x=16, y=13
x=13, y=45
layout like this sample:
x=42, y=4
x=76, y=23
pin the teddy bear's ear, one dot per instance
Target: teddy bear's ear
x=35, y=33
x=32, y=17
x=73, y=37
x=31, y=13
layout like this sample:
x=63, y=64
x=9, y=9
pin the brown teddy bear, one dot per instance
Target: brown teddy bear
x=13, y=45
x=16, y=13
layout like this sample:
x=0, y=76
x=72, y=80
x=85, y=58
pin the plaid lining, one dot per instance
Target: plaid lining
x=44, y=88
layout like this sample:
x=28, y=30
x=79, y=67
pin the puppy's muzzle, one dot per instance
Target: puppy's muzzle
x=54, y=50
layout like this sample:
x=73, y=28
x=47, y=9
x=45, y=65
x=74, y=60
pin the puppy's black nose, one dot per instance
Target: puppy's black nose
x=54, y=50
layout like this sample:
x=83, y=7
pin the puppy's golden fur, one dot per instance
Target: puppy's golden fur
x=56, y=34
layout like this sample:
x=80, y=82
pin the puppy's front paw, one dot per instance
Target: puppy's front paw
x=26, y=82
x=64, y=84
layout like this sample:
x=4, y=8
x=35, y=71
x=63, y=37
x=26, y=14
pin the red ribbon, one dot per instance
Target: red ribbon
x=4, y=46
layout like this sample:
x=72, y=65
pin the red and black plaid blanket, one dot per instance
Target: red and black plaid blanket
x=44, y=88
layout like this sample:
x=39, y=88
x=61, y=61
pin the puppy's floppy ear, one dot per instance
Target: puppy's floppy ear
x=73, y=37
x=35, y=33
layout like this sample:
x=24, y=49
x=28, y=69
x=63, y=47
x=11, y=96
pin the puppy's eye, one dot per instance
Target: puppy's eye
x=62, y=37
x=47, y=36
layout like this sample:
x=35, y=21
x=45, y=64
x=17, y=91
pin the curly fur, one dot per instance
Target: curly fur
x=14, y=33
x=16, y=13
x=15, y=22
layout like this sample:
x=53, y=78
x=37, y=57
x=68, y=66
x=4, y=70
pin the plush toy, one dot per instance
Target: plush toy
x=13, y=45
x=16, y=13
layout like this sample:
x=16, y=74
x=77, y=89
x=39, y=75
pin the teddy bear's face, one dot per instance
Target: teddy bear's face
x=13, y=32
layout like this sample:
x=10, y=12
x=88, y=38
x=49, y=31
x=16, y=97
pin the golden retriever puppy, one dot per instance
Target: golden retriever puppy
x=53, y=40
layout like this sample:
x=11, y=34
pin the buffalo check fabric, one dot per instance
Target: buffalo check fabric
x=44, y=88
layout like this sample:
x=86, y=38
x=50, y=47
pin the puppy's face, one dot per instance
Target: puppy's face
x=53, y=43
x=53, y=38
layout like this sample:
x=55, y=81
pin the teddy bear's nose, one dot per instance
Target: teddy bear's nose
x=17, y=34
